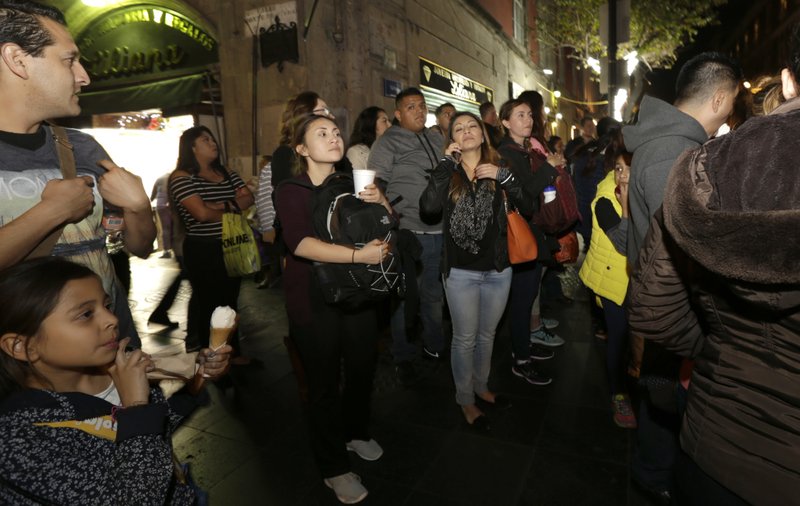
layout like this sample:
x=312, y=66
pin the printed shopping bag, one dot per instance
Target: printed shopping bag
x=239, y=247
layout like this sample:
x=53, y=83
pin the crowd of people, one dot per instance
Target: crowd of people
x=689, y=249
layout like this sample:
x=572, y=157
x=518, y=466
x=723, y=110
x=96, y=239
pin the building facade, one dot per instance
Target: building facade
x=354, y=53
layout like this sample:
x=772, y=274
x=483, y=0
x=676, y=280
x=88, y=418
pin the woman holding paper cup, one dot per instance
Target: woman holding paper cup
x=467, y=188
x=327, y=336
x=201, y=187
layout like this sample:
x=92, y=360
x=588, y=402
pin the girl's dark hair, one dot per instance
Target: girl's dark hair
x=186, y=159
x=29, y=292
x=299, y=105
x=615, y=149
x=299, y=130
x=364, y=129
x=536, y=102
x=488, y=155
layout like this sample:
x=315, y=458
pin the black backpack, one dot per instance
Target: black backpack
x=339, y=217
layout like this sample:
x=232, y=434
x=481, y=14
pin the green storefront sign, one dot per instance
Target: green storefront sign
x=142, y=56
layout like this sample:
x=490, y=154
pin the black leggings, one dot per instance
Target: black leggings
x=525, y=282
x=337, y=413
x=211, y=287
x=617, y=345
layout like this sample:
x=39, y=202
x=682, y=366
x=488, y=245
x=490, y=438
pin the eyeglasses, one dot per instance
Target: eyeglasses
x=323, y=111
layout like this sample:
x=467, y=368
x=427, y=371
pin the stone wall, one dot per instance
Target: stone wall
x=351, y=47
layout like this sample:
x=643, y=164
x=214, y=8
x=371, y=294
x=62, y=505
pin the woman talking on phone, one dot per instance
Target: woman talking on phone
x=467, y=187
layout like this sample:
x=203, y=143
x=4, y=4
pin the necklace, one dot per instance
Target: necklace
x=469, y=171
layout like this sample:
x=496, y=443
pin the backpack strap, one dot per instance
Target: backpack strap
x=66, y=161
x=66, y=154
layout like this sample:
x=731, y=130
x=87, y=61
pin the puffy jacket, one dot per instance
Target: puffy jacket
x=718, y=279
x=605, y=270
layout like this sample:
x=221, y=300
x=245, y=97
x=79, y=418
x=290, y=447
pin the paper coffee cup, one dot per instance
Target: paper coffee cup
x=361, y=178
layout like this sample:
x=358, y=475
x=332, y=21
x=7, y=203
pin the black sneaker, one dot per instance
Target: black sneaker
x=526, y=371
x=162, y=319
x=405, y=371
x=541, y=353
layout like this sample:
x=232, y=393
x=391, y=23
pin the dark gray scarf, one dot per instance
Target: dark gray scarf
x=471, y=215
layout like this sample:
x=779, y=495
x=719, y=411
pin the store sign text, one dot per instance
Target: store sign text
x=136, y=40
x=122, y=61
x=442, y=79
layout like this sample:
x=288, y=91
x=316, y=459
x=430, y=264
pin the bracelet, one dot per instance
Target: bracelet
x=353, y=258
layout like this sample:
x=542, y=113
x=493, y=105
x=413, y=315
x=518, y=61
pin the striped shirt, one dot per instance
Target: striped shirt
x=265, y=208
x=184, y=187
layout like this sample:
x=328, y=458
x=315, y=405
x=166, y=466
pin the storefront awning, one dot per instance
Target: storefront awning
x=177, y=92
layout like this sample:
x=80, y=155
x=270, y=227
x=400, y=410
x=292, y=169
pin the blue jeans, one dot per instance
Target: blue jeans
x=476, y=300
x=430, y=299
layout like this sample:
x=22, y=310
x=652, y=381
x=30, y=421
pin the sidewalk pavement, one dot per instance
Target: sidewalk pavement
x=557, y=445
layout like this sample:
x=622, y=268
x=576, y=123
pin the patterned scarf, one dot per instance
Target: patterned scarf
x=470, y=217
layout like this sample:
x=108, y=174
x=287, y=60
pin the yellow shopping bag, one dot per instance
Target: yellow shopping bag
x=239, y=247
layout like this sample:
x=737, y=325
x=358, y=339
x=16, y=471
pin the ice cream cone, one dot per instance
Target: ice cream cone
x=219, y=337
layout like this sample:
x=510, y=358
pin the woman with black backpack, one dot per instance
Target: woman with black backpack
x=467, y=188
x=327, y=336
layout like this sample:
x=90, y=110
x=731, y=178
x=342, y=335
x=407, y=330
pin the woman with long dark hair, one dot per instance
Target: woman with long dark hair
x=370, y=125
x=330, y=340
x=467, y=188
x=200, y=186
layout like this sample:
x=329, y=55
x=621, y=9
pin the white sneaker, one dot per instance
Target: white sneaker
x=367, y=450
x=347, y=487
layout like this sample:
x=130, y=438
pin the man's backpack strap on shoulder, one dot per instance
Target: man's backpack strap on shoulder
x=66, y=161
x=66, y=154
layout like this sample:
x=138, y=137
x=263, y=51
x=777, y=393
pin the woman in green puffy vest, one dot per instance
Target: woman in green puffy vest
x=605, y=270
